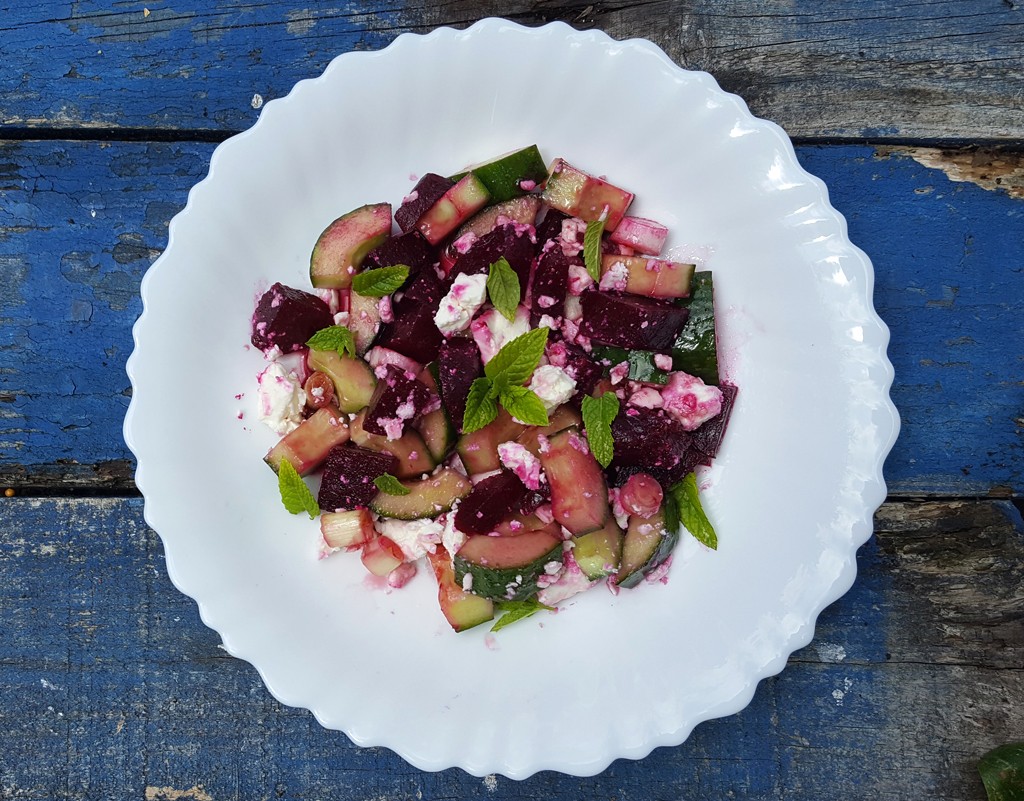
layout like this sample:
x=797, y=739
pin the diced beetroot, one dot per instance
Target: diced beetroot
x=458, y=366
x=399, y=398
x=413, y=332
x=551, y=226
x=584, y=369
x=653, y=441
x=347, y=481
x=642, y=235
x=535, y=499
x=708, y=438
x=550, y=284
x=426, y=193
x=512, y=242
x=490, y=502
x=409, y=249
x=631, y=321
x=287, y=317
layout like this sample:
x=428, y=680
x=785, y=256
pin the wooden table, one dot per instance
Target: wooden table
x=111, y=688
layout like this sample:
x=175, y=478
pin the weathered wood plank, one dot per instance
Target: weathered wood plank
x=114, y=689
x=863, y=68
x=80, y=223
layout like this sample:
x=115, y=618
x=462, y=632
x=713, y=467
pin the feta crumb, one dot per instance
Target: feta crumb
x=663, y=362
x=280, y=399
x=467, y=582
x=690, y=401
x=616, y=278
x=552, y=385
x=491, y=331
x=521, y=462
x=463, y=300
x=416, y=538
x=571, y=582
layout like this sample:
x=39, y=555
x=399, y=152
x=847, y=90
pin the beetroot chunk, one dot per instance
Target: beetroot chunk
x=580, y=366
x=399, y=398
x=458, y=365
x=287, y=317
x=348, y=475
x=514, y=242
x=425, y=194
x=490, y=502
x=413, y=332
x=656, y=443
x=550, y=284
x=551, y=226
x=631, y=321
x=409, y=249
x=708, y=437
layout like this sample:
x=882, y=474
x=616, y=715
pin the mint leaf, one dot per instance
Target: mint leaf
x=335, y=337
x=517, y=610
x=1002, y=772
x=515, y=363
x=503, y=288
x=524, y=405
x=598, y=415
x=683, y=506
x=592, y=248
x=381, y=281
x=295, y=495
x=390, y=485
x=481, y=408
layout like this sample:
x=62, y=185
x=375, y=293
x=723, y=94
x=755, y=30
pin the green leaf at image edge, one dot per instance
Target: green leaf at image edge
x=295, y=495
x=517, y=610
x=1002, y=772
x=381, y=281
x=503, y=288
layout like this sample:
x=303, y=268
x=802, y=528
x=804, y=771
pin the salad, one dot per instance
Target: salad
x=515, y=388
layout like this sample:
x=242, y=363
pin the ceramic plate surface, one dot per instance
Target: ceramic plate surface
x=791, y=495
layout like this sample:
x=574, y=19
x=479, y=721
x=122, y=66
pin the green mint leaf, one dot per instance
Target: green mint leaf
x=503, y=288
x=517, y=610
x=381, y=281
x=515, y=363
x=690, y=513
x=481, y=408
x=598, y=415
x=592, y=248
x=672, y=521
x=1002, y=772
x=524, y=405
x=390, y=485
x=295, y=495
x=335, y=337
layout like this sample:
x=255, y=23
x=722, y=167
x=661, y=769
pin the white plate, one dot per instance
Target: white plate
x=792, y=494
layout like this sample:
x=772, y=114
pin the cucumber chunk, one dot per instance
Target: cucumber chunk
x=339, y=251
x=507, y=568
x=308, y=445
x=414, y=458
x=560, y=419
x=599, y=553
x=353, y=379
x=456, y=206
x=694, y=350
x=479, y=449
x=504, y=175
x=461, y=609
x=647, y=544
x=641, y=363
x=579, y=495
x=428, y=497
x=653, y=278
x=435, y=427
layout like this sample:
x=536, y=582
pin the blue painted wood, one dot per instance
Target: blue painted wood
x=80, y=222
x=937, y=67
x=114, y=689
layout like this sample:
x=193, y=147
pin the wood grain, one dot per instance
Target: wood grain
x=72, y=257
x=934, y=69
x=114, y=688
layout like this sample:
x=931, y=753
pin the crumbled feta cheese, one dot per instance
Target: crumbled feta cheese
x=646, y=397
x=579, y=279
x=384, y=309
x=280, y=399
x=552, y=385
x=467, y=582
x=492, y=331
x=615, y=278
x=416, y=538
x=619, y=372
x=451, y=538
x=663, y=362
x=571, y=582
x=463, y=300
x=521, y=462
x=690, y=401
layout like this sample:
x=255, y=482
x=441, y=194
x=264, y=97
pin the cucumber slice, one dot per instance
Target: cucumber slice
x=653, y=278
x=647, y=544
x=456, y=206
x=521, y=210
x=341, y=248
x=351, y=528
x=414, y=458
x=479, y=449
x=504, y=175
x=577, y=194
x=560, y=419
x=436, y=429
x=599, y=553
x=353, y=379
x=507, y=568
x=641, y=363
x=461, y=609
x=579, y=495
x=428, y=497
x=695, y=349
x=363, y=320
x=308, y=445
